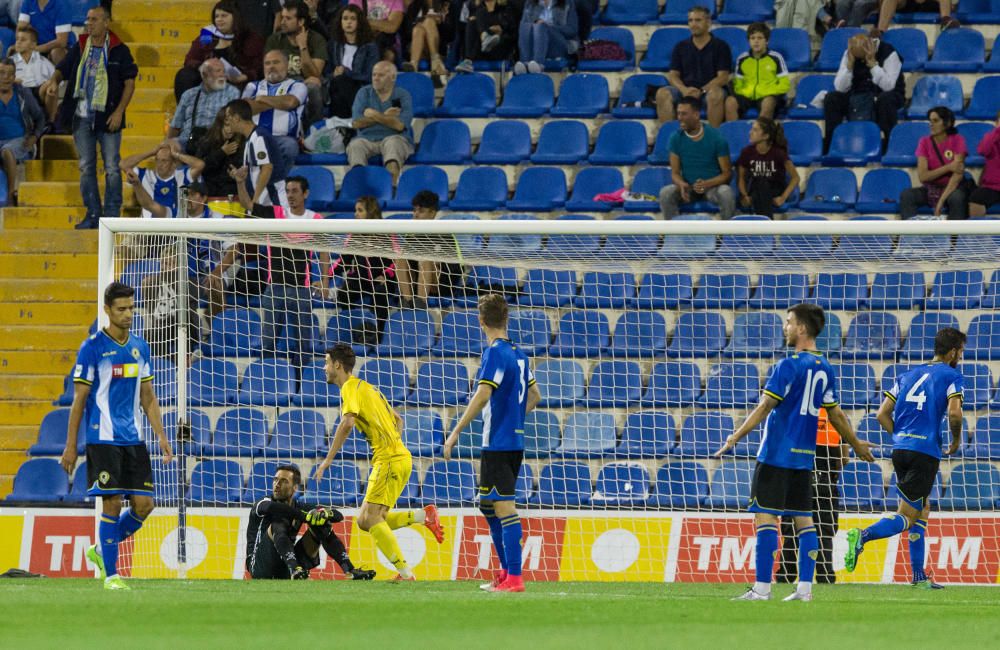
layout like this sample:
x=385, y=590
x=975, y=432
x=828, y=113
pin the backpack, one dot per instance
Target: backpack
x=602, y=50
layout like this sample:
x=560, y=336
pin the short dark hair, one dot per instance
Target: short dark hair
x=117, y=290
x=693, y=102
x=811, y=316
x=8, y=61
x=241, y=109
x=425, y=199
x=762, y=28
x=299, y=7
x=30, y=31
x=344, y=353
x=699, y=9
x=948, y=339
x=493, y=310
x=105, y=6
x=301, y=180
x=296, y=474
x=947, y=116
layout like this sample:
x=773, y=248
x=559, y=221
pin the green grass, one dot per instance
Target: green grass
x=63, y=613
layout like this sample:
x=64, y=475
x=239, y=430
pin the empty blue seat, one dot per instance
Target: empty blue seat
x=833, y=48
x=661, y=47
x=737, y=135
x=531, y=329
x=898, y=290
x=889, y=376
x=986, y=443
x=664, y=291
x=698, y=334
x=240, y=432
x=972, y=486
x=339, y=486
x=977, y=12
x=267, y=382
x=298, y=433
x=831, y=338
x=561, y=142
x=314, y=389
x=935, y=90
x=647, y=434
x=622, y=484
x=854, y=144
x=871, y=431
x=390, y=376
x=614, y=384
x=978, y=389
x=756, y=335
x=911, y=45
x=527, y=95
x=805, y=142
x=872, y=335
x=869, y=248
x=216, y=482
x=746, y=11
x=560, y=383
x=681, y=485
x=623, y=247
x=416, y=179
x=572, y=246
x=421, y=90
x=618, y=35
x=582, y=333
x=588, y=434
x=548, y=288
x=443, y=142
x=920, y=337
x=470, y=440
x=514, y=246
x=564, y=483
x=806, y=91
x=52, y=435
x=880, y=190
x=985, y=101
x=461, y=335
x=539, y=189
x=841, y=290
x=504, y=142
x=235, y=333
x=731, y=385
x=639, y=334
x=703, y=433
x=322, y=190
x=449, y=483
x=629, y=12
x=422, y=431
x=984, y=337
x=601, y=290
x=958, y=50
x=743, y=247
x=830, y=190
x=804, y=246
x=730, y=488
x=441, y=383
x=213, y=382
x=725, y=291
x=40, y=479
x=408, y=332
x=620, y=142
x=480, y=188
x=903, y=140
x=495, y=278
x=364, y=181
x=856, y=385
x=660, y=155
x=164, y=380
x=351, y=326
x=792, y=43
x=735, y=38
x=636, y=90
x=260, y=480
x=590, y=182
x=673, y=383
x=541, y=433
x=78, y=488
x=973, y=132
x=992, y=298
x=468, y=95
x=780, y=290
x=648, y=180
x=993, y=64
x=861, y=487
x=675, y=11
x=582, y=95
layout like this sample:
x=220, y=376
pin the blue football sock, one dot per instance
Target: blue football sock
x=918, y=531
x=128, y=524
x=108, y=530
x=496, y=532
x=767, y=547
x=808, y=550
x=512, y=543
x=883, y=528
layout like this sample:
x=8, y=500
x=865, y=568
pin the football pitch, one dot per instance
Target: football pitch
x=68, y=613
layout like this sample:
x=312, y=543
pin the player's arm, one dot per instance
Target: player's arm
x=262, y=180
x=151, y=405
x=884, y=415
x=838, y=419
x=534, y=398
x=955, y=422
x=81, y=391
x=478, y=402
x=143, y=198
x=343, y=429
x=758, y=415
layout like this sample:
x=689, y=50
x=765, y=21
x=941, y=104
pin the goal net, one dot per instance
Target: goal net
x=650, y=342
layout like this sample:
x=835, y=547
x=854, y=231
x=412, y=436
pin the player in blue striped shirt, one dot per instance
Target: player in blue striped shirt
x=782, y=481
x=112, y=379
x=506, y=393
x=927, y=391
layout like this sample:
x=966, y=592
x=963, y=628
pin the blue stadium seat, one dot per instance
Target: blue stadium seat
x=198, y=423
x=618, y=35
x=978, y=389
x=920, y=337
x=351, y=326
x=848, y=291
x=830, y=190
x=746, y=11
x=993, y=63
x=891, y=503
x=972, y=486
x=614, y=384
x=589, y=434
x=164, y=380
x=911, y=44
x=52, y=435
x=857, y=388
x=480, y=188
x=861, y=487
x=780, y=290
x=443, y=142
x=870, y=430
x=889, y=376
x=539, y=189
x=726, y=291
x=731, y=385
x=641, y=334
x=833, y=48
x=865, y=247
x=515, y=246
x=259, y=481
x=977, y=12
x=461, y=335
x=620, y=142
x=440, y=383
x=956, y=290
x=421, y=90
x=468, y=95
x=267, y=382
x=416, y=179
x=572, y=246
x=355, y=446
x=390, y=375
x=591, y=181
x=635, y=247
x=216, y=482
x=322, y=189
x=78, y=488
x=986, y=443
x=408, y=332
x=240, y=431
x=235, y=333
x=698, y=334
x=582, y=95
x=504, y=142
x=805, y=91
x=470, y=440
x=340, y=485
x=735, y=38
x=313, y=388
x=958, y=50
x=562, y=142
x=898, y=290
x=673, y=383
x=743, y=247
x=804, y=246
x=449, y=483
x=212, y=382
x=984, y=337
x=935, y=90
x=730, y=488
x=660, y=155
x=680, y=485
x=542, y=432
x=531, y=329
x=601, y=290
x=630, y=12
x=756, y=335
x=992, y=298
x=973, y=132
x=622, y=484
x=410, y=497
x=805, y=142
x=647, y=434
x=582, y=333
x=648, y=180
x=495, y=278
x=40, y=479
x=985, y=101
x=675, y=11
x=560, y=382
x=364, y=181
x=661, y=47
x=923, y=247
x=664, y=291
x=872, y=335
x=831, y=338
x=422, y=431
x=703, y=433
x=564, y=483
x=527, y=95
x=548, y=288
x=635, y=91
x=854, y=144
x=524, y=490
x=880, y=190
x=902, y=148
x=794, y=46
x=737, y=135
x=298, y=433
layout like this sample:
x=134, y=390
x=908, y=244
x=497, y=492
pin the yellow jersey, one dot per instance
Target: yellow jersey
x=374, y=417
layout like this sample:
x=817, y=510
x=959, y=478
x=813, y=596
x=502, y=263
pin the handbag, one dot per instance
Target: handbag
x=966, y=185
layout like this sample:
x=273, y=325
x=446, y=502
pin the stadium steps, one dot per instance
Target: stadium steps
x=56, y=241
x=129, y=13
x=30, y=362
x=60, y=193
x=61, y=147
x=50, y=265
x=176, y=32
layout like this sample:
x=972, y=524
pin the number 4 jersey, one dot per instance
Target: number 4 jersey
x=921, y=396
x=802, y=383
x=505, y=368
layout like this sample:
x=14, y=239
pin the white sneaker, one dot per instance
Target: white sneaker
x=796, y=595
x=490, y=42
x=520, y=68
x=465, y=66
x=534, y=67
x=753, y=595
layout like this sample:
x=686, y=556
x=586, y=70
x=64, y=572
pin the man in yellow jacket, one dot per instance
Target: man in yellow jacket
x=761, y=78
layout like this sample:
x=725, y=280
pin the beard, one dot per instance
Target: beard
x=218, y=84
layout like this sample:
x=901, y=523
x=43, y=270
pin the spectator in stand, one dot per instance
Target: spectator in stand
x=386, y=18
x=699, y=164
x=988, y=192
x=306, y=52
x=700, y=67
x=93, y=106
x=321, y=15
x=52, y=20
x=418, y=281
x=258, y=16
x=277, y=102
x=22, y=123
x=228, y=39
x=889, y=8
x=173, y=170
x=847, y=13
x=869, y=85
x=941, y=168
x=33, y=69
x=761, y=79
x=199, y=106
x=432, y=30
x=351, y=56
x=383, y=116
x=763, y=166
x=585, y=12
x=548, y=30
x=220, y=149
x=489, y=33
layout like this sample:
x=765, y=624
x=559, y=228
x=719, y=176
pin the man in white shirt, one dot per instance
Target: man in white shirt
x=277, y=102
x=33, y=69
x=173, y=170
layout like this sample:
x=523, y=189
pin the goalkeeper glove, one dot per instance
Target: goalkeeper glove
x=317, y=516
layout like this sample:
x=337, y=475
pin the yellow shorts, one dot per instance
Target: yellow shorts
x=387, y=480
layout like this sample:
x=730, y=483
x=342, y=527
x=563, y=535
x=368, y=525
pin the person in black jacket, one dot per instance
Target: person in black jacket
x=490, y=33
x=352, y=55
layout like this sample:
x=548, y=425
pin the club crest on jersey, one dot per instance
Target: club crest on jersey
x=103, y=477
x=124, y=370
x=135, y=353
x=261, y=155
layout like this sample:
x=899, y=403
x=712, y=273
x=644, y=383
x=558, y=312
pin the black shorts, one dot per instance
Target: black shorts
x=745, y=103
x=115, y=469
x=781, y=491
x=498, y=472
x=266, y=563
x=984, y=196
x=915, y=475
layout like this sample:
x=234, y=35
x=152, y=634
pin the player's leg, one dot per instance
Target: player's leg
x=283, y=538
x=799, y=505
x=385, y=484
x=496, y=534
x=767, y=502
x=104, y=474
x=513, y=532
x=918, y=550
x=324, y=536
x=137, y=478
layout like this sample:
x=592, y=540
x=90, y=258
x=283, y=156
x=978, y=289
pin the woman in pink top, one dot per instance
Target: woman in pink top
x=940, y=167
x=988, y=191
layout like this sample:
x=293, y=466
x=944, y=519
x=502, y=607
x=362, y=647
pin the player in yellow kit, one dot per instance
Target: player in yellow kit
x=364, y=407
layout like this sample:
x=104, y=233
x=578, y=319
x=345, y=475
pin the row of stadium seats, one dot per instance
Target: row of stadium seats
x=678, y=485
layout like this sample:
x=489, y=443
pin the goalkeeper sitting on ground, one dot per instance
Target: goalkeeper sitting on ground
x=273, y=553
